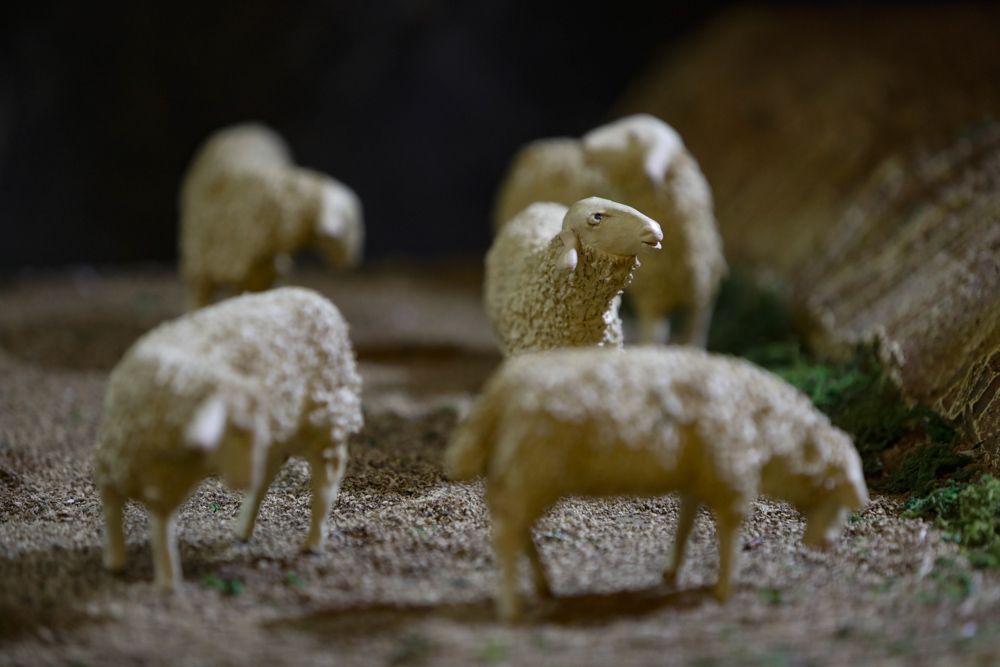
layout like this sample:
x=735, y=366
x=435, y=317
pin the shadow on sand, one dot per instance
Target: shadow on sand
x=570, y=610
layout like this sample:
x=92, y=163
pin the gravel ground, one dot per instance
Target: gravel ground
x=407, y=577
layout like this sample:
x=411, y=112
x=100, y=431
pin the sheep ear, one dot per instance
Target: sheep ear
x=330, y=222
x=568, y=259
x=663, y=151
x=206, y=428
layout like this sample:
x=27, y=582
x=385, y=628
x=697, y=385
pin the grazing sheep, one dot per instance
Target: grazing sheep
x=246, y=208
x=640, y=161
x=221, y=390
x=648, y=421
x=554, y=275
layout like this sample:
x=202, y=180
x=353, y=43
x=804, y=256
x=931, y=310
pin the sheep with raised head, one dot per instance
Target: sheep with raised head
x=231, y=389
x=245, y=209
x=640, y=161
x=645, y=422
x=554, y=274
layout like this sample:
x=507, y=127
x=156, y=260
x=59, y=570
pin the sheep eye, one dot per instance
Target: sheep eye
x=596, y=218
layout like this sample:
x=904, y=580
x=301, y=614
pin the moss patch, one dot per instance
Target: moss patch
x=968, y=514
x=753, y=322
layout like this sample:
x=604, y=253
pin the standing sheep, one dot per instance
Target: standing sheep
x=245, y=208
x=646, y=422
x=640, y=161
x=554, y=275
x=222, y=390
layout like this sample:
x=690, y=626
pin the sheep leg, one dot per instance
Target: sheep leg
x=685, y=522
x=166, y=560
x=653, y=329
x=541, y=580
x=114, y=535
x=327, y=471
x=252, y=500
x=261, y=277
x=728, y=528
x=202, y=293
x=508, y=543
x=699, y=322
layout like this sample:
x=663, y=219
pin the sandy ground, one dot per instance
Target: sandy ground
x=407, y=577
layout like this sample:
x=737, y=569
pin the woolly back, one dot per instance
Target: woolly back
x=547, y=170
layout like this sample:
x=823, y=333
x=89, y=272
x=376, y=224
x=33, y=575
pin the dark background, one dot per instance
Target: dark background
x=417, y=105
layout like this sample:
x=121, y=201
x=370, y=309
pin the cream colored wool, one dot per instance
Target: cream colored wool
x=553, y=170
x=220, y=391
x=246, y=208
x=554, y=275
x=649, y=421
x=640, y=161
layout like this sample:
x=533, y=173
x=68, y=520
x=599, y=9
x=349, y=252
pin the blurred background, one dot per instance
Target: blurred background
x=416, y=104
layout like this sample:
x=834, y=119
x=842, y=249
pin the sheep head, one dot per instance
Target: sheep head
x=339, y=228
x=835, y=488
x=633, y=142
x=609, y=227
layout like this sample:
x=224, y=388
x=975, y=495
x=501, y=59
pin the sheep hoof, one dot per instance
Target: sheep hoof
x=670, y=578
x=114, y=564
x=510, y=615
x=166, y=586
x=311, y=549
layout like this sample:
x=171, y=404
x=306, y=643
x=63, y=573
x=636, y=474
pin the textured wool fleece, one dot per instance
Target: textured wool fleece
x=246, y=208
x=214, y=392
x=640, y=161
x=648, y=421
x=554, y=274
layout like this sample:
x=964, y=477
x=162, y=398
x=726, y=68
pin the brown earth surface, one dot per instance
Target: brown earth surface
x=407, y=577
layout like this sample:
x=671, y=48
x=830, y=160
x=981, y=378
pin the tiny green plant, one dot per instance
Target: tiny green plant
x=413, y=649
x=771, y=596
x=293, y=579
x=496, y=650
x=226, y=586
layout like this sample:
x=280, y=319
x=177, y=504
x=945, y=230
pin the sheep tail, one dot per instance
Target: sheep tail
x=471, y=442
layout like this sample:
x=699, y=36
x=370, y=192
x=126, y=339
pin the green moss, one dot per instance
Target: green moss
x=856, y=394
x=952, y=582
x=923, y=469
x=749, y=319
x=968, y=514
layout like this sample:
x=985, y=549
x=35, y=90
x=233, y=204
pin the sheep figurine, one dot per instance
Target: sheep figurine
x=231, y=389
x=647, y=421
x=640, y=161
x=245, y=209
x=554, y=275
